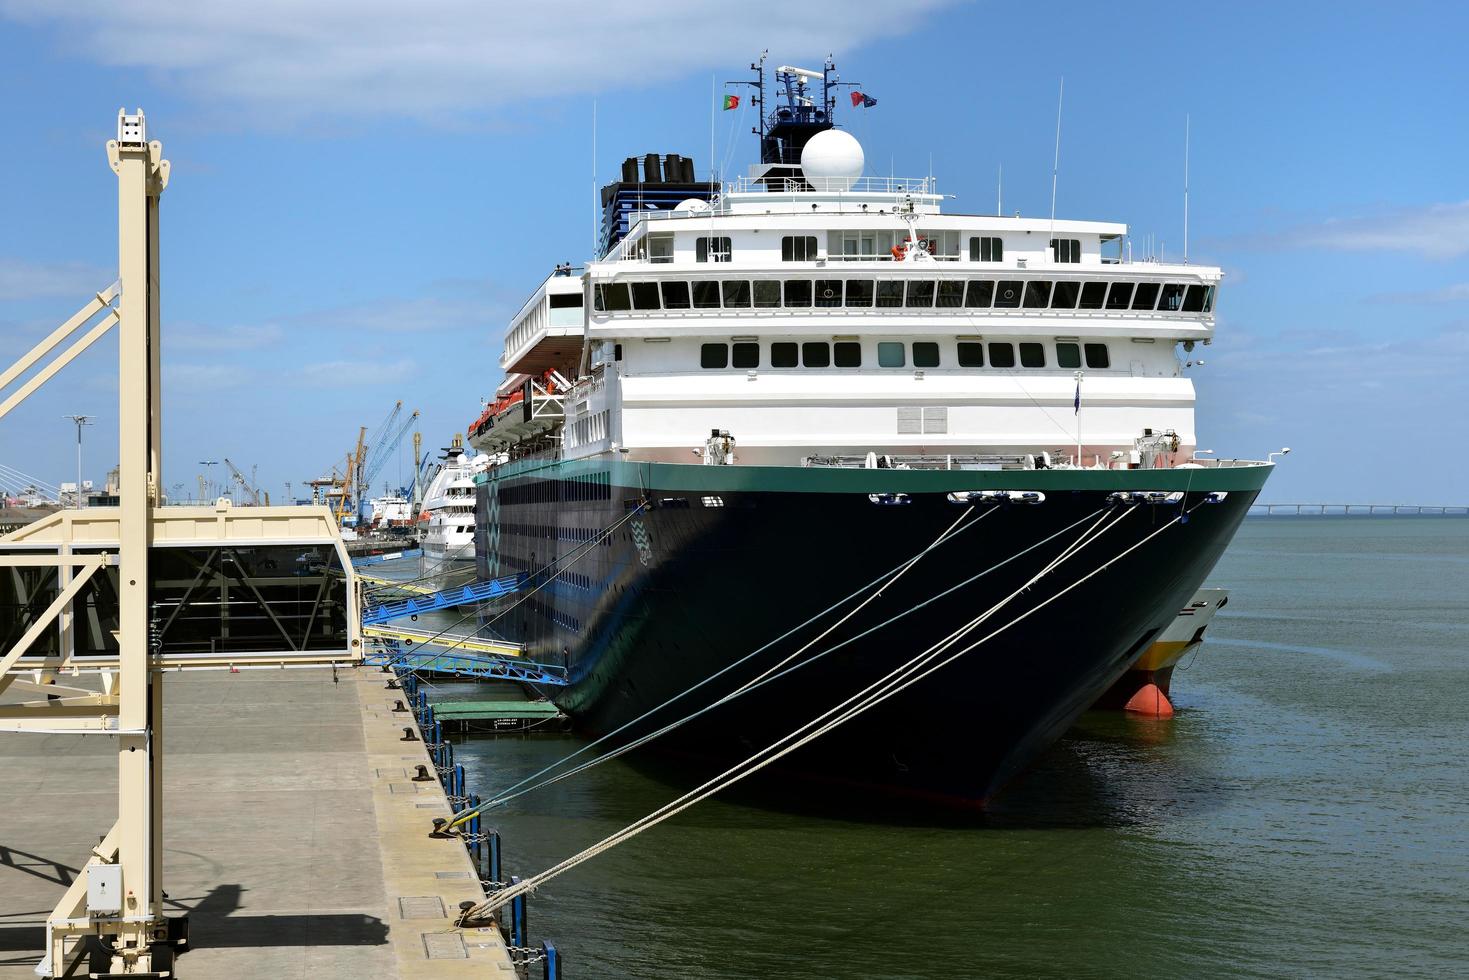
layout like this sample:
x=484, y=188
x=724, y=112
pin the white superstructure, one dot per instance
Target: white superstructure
x=447, y=519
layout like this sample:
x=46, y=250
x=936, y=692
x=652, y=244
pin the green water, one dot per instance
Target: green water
x=1305, y=814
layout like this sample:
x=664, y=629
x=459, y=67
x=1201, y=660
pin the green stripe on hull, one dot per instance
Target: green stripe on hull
x=698, y=478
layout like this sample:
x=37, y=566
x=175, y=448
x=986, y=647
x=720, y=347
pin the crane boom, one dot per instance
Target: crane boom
x=245, y=484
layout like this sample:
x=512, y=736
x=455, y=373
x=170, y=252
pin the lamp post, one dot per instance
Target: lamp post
x=207, y=463
x=80, y=421
x=1270, y=457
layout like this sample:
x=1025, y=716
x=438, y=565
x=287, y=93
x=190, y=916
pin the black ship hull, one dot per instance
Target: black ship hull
x=705, y=565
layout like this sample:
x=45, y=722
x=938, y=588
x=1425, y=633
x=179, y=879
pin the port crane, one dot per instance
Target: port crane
x=247, y=485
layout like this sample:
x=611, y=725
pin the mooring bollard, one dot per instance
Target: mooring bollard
x=552, y=959
x=457, y=788
x=517, y=917
x=492, y=856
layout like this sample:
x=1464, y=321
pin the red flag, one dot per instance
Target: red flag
x=856, y=99
x=731, y=101
x=859, y=100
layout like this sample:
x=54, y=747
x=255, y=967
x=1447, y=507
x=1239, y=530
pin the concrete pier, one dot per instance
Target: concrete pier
x=295, y=838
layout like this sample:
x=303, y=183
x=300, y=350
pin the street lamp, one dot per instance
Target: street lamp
x=80, y=421
x=1270, y=457
x=207, y=463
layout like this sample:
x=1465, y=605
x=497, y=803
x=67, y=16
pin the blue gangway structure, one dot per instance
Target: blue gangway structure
x=387, y=556
x=461, y=595
x=467, y=665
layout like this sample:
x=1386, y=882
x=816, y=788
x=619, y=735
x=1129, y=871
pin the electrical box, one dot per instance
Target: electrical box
x=104, y=889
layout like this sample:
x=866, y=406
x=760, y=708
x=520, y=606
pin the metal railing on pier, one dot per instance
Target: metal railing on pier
x=1360, y=510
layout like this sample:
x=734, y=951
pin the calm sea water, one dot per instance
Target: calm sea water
x=1306, y=813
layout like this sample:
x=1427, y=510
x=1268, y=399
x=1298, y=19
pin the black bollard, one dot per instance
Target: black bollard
x=399, y=706
x=423, y=773
x=409, y=735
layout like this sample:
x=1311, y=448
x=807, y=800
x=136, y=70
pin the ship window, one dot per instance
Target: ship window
x=645, y=295
x=736, y=293
x=847, y=353
x=1208, y=299
x=1092, y=295
x=798, y=248
x=816, y=353
x=920, y=294
x=1193, y=300
x=1063, y=297
x=1002, y=355
x=1066, y=249
x=828, y=292
x=1146, y=296
x=746, y=355
x=1068, y=355
x=951, y=294
x=971, y=354
x=981, y=294
x=660, y=248
x=613, y=297
x=798, y=292
x=1032, y=355
x=1037, y=294
x=714, y=355
x=859, y=292
x=706, y=294
x=767, y=293
x=925, y=354
x=889, y=293
x=713, y=249
x=1096, y=356
x=986, y=250
x=675, y=295
x=1119, y=295
x=565, y=301
x=1172, y=297
x=1007, y=297
x=783, y=355
x=890, y=353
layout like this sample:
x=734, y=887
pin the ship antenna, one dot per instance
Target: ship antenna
x=594, y=178
x=1056, y=164
x=1000, y=191
x=1185, y=187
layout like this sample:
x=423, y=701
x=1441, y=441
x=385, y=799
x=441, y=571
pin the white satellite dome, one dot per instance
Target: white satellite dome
x=692, y=205
x=832, y=160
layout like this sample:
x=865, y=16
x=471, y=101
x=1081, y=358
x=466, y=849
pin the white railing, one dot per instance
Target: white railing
x=862, y=185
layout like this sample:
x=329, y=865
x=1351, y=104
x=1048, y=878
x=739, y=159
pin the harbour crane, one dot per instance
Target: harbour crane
x=246, y=485
x=380, y=454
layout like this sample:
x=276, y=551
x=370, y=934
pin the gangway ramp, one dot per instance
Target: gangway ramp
x=466, y=643
x=462, y=595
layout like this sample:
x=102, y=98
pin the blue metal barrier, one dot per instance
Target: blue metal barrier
x=378, y=559
x=462, y=595
x=552, y=959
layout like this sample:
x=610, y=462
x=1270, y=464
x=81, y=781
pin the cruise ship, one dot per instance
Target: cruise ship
x=809, y=435
x=446, y=522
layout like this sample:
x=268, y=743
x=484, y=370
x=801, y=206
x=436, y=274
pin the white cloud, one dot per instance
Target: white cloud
x=22, y=280
x=185, y=377
x=192, y=336
x=348, y=373
x=444, y=59
x=1436, y=231
x=1455, y=293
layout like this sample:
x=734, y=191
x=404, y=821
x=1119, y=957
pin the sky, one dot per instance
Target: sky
x=363, y=193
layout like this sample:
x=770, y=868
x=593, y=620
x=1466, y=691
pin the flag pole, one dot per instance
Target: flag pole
x=1078, y=419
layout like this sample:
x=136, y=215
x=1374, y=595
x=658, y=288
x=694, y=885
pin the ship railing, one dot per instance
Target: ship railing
x=862, y=185
x=926, y=461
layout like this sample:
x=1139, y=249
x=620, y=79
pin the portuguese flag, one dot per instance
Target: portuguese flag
x=731, y=101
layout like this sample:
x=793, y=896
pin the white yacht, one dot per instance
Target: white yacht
x=447, y=519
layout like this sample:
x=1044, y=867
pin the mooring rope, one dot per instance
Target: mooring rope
x=882, y=582
x=885, y=687
x=515, y=791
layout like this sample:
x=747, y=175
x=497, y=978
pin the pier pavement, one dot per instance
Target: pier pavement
x=294, y=836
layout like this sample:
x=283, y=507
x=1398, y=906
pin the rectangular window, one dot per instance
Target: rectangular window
x=889, y=293
x=798, y=248
x=713, y=249
x=1172, y=297
x=980, y=295
x=660, y=248
x=706, y=294
x=1193, y=300
x=767, y=293
x=1063, y=297
x=890, y=354
x=847, y=353
x=1002, y=355
x=736, y=294
x=798, y=292
x=675, y=295
x=1096, y=356
x=951, y=294
x=859, y=292
x=1007, y=296
x=613, y=297
x=645, y=296
x=1066, y=249
x=1092, y=295
x=828, y=292
x=1037, y=294
x=783, y=355
x=1208, y=299
x=1032, y=355
x=986, y=250
x=1068, y=355
x=920, y=294
x=1119, y=296
x=565, y=301
x=816, y=353
x=971, y=354
x=925, y=354
x=746, y=355
x=1146, y=296
x=714, y=355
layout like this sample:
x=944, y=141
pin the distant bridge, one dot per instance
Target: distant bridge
x=1320, y=510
